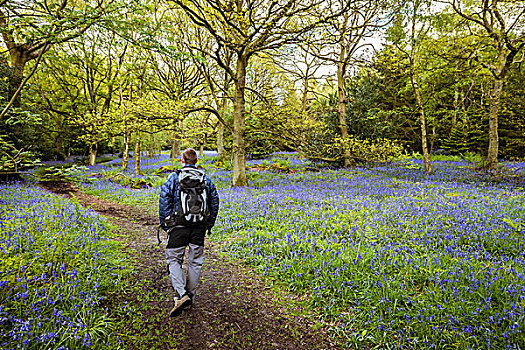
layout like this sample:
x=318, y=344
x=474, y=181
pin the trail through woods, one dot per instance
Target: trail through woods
x=234, y=308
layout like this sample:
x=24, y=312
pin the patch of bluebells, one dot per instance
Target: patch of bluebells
x=415, y=260
x=54, y=264
x=509, y=174
x=106, y=188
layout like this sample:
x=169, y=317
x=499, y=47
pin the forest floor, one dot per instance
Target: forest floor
x=234, y=307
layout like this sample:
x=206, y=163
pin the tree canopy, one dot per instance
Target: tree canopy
x=331, y=79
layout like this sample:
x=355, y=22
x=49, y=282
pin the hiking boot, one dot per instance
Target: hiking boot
x=180, y=304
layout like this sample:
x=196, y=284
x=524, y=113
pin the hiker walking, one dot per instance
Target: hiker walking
x=188, y=208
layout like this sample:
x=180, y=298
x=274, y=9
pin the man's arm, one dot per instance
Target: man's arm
x=166, y=198
x=213, y=202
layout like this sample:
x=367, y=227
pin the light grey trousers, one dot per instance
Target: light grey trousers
x=175, y=258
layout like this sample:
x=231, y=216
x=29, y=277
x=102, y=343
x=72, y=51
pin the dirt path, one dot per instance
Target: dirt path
x=233, y=309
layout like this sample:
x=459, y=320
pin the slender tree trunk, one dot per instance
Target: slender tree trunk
x=59, y=143
x=176, y=141
x=151, y=152
x=341, y=94
x=221, y=126
x=456, y=107
x=433, y=138
x=92, y=157
x=239, y=150
x=412, y=60
x=201, y=150
x=422, y=121
x=220, y=140
x=304, y=98
x=125, y=150
x=137, y=153
x=492, y=154
x=175, y=148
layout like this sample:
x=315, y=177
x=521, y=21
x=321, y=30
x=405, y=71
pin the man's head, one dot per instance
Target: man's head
x=189, y=156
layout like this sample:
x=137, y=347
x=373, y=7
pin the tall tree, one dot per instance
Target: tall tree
x=410, y=45
x=30, y=28
x=84, y=74
x=247, y=27
x=502, y=24
x=347, y=35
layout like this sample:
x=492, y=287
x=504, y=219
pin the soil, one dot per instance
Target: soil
x=234, y=307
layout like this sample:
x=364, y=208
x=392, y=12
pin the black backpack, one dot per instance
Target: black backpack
x=193, y=207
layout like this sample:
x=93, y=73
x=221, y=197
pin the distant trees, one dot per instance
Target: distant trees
x=502, y=27
x=456, y=93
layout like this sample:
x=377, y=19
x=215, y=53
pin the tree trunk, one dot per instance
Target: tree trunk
x=456, y=107
x=59, y=143
x=433, y=138
x=19, y=58
x=125, y=151
x=304, y=98
x=220, y=127
x=492, y=154
x=175, y=149
x=201, y=150
x=151, y=152
x=422, y=121
x=239, y=150
x=220, y=131
x=175, y=146
x=175, y=143
x=92, y=157
x=341, y=94
x=220, y=139
x=137, y=153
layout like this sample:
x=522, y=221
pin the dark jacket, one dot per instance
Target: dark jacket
x=169, y=194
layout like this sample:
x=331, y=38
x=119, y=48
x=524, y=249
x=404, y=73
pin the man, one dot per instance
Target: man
x=190, y=202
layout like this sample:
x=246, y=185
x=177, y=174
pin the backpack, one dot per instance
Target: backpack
x=193, y=207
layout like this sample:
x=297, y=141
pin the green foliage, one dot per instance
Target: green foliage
x=13, y=159
x=372, y=112
x=128, y=180
x=276, y=165
x=361, y=151
x=463, y=138
x=73, y=173
x=223, y=163
x=511, y=119
x=470, y=157
x=165, y=169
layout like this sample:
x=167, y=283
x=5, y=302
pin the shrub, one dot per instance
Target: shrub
x=363, y=151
